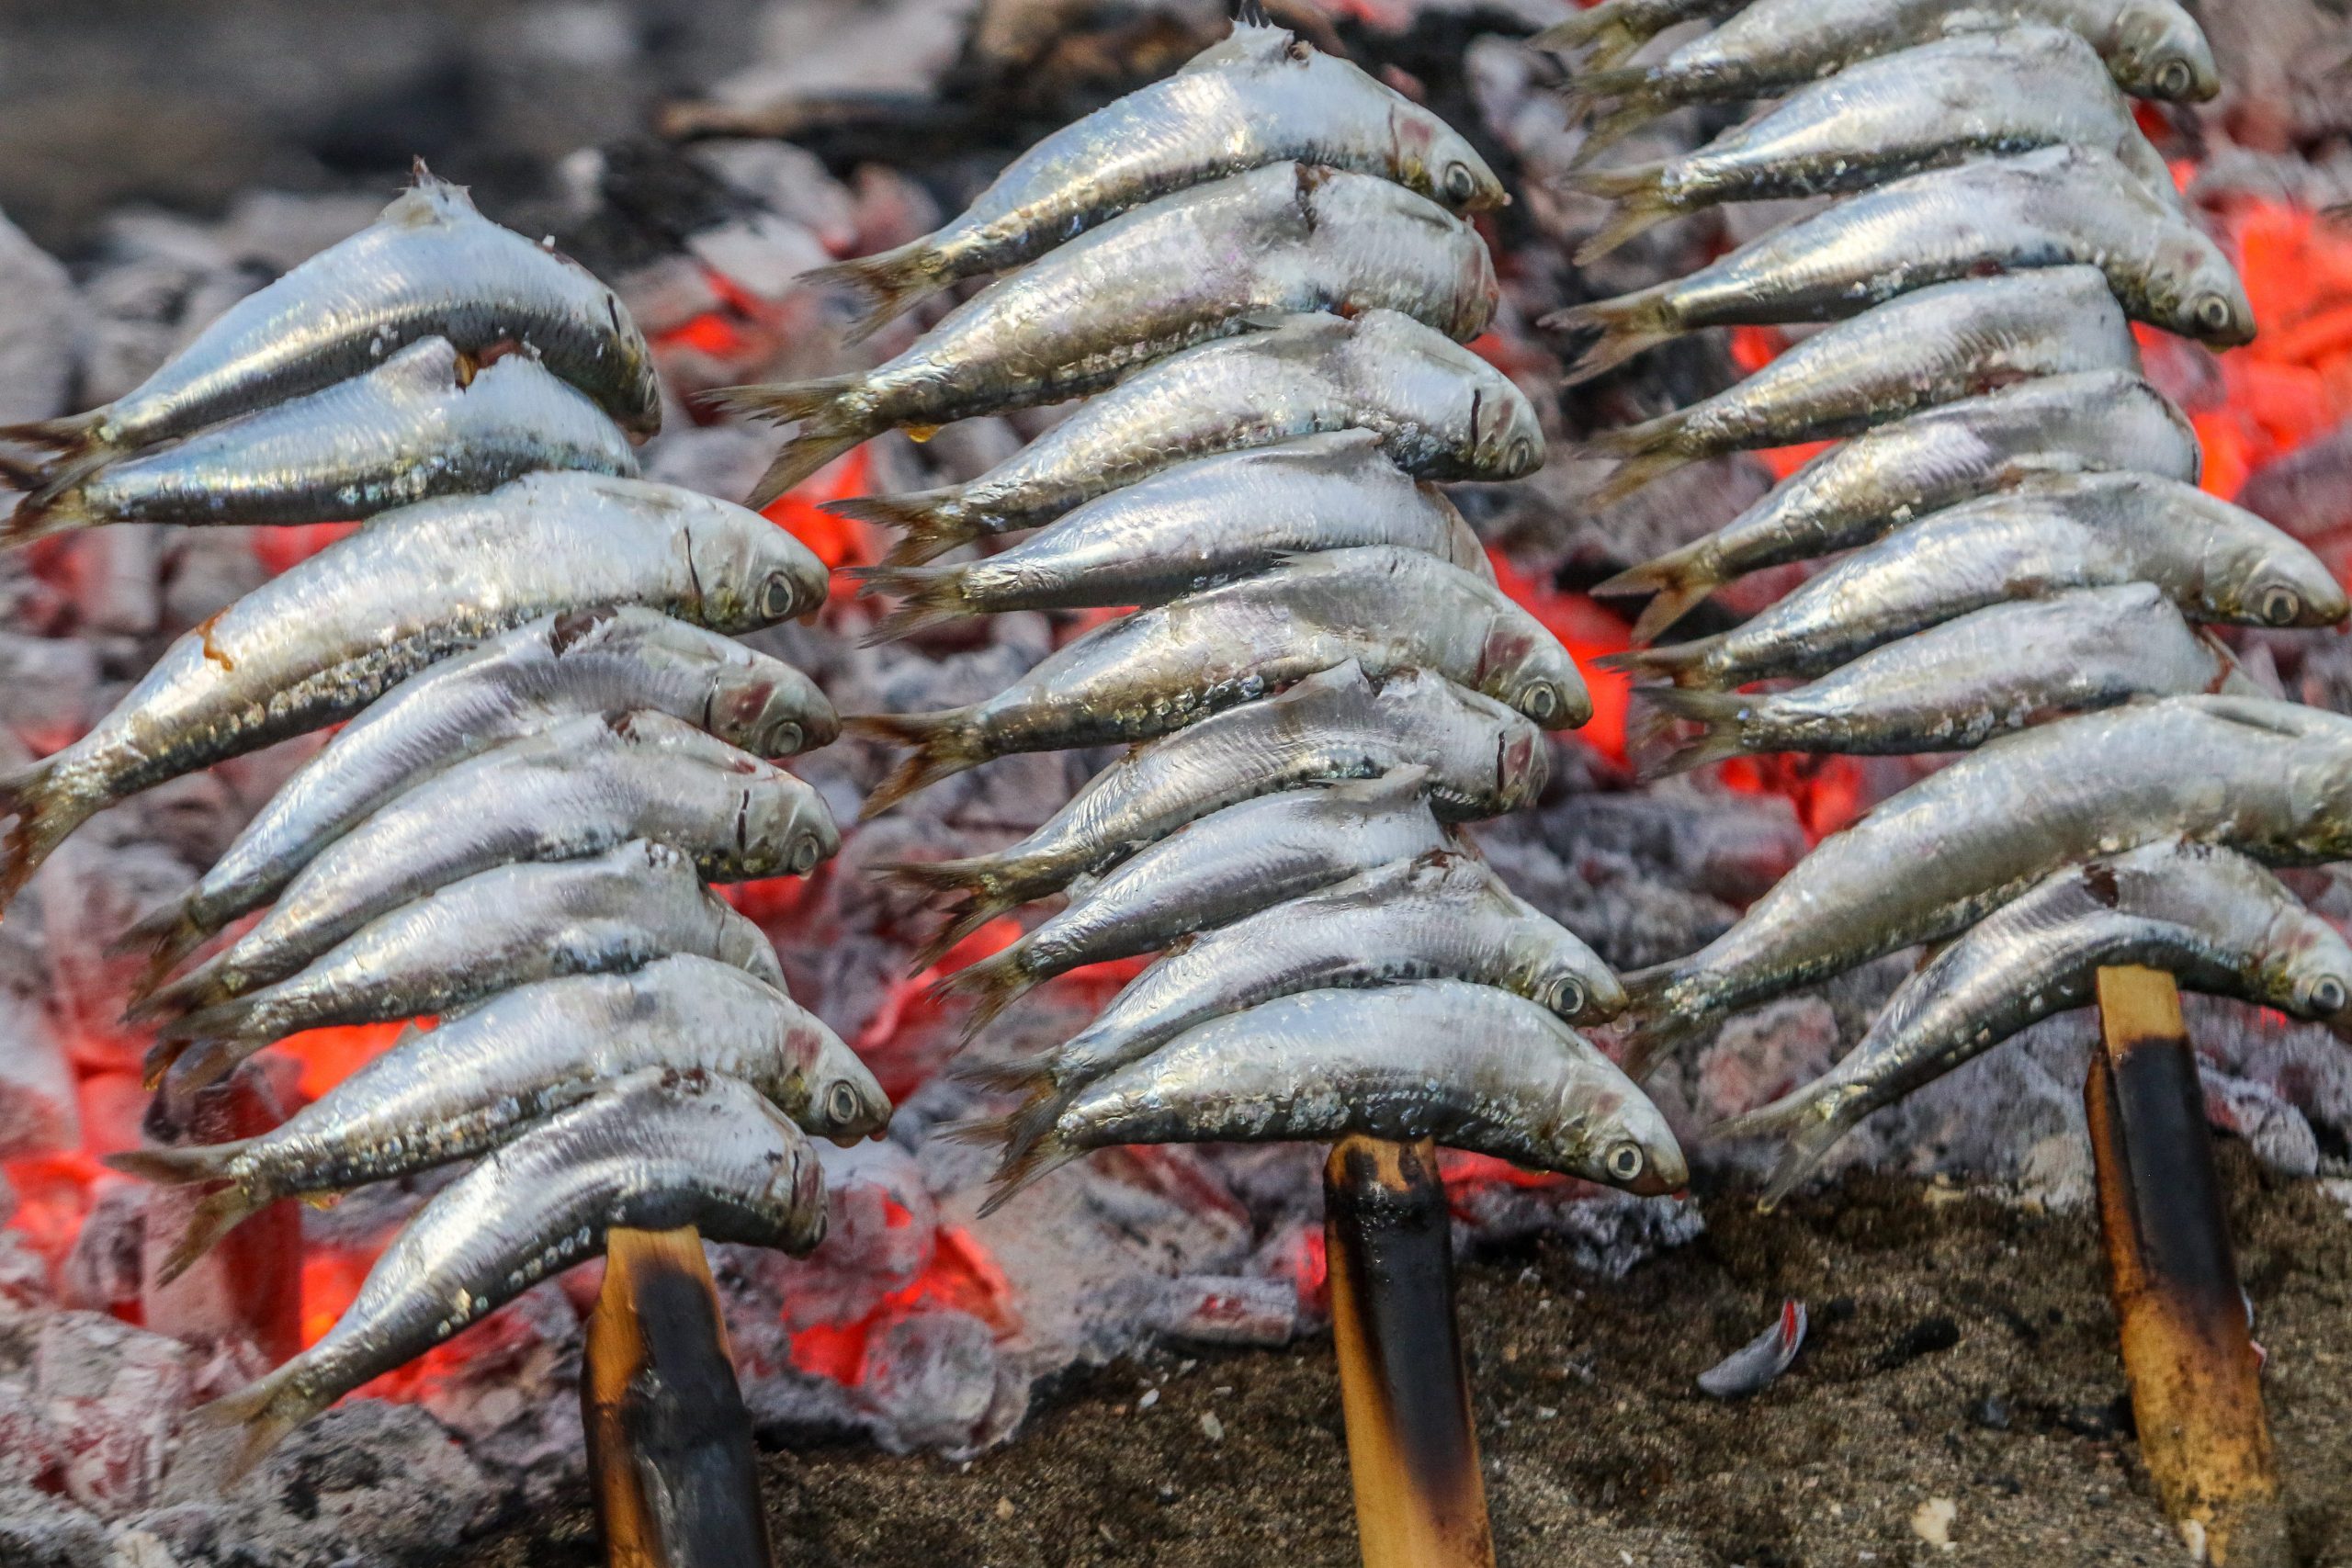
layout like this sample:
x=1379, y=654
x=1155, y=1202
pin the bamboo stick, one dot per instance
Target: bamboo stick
x=2187, y=1355
x=1420, y=1501
x=669, y=1440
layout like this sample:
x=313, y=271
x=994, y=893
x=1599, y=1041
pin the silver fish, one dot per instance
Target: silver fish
x=1607, y=34
x=2217, y=561
x=607, y=660
x=1440, y=411
x=1954, y=340
x=1960, y=684
x=577, y=788
x=1484, y=760
x=1443, y=916
x=656, y=1151
x=431, y=266
x=2153, y=49
x=463, y=1088
x=489, y=932
x=2215, y=920
x=1149, y=673
x=1971, y=93
x=1862, y=489
x=2055, y=206
x=1194, y=527
x=2271, y=779
x=425, y=422
x=1230, y=864
x=1259, y=96
x=1205, y=263
x=1470, y=1066
x=321, y=641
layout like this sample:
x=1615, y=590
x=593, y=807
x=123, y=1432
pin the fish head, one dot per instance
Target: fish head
x=2195, y=291
x=1619, y=1139
x=1523, y=664
x=845, y=1103
x=1378, y=220
x=635, y=394
x=2155, y=49
x=2307, y=969
x=1505, y=437
x=1432, y=157
x=793, y=1203
x=754, y=574
x=785, y=825
x=2260, y=577
x=1560, y=973
x=767, y=707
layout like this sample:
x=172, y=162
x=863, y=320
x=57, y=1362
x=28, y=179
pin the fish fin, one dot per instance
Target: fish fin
x=1627, y=325
x=177, y=1166
x=928, y=596
x=991, y=985
x=41, y=514
x=1721, y=718
x=1808, y=1146
x=944, y=743
x=161, y=1054
x=74, y=434
x=204, y=1065
x=170, y=933
x=1601, y=39
x=1683, y=662
x=1659, y=1029
x=799, y=458
x=152, y=996
x=933, y=521
x=212, y=1220
x=1032, y=1148
x=1643, y=203
x=1017, y=1074
x=264, y=1410
x=1647, y=451
x=888, y=282
x=828, y=428
x=1677, y=581
x=43, y=812
x=1638, y=102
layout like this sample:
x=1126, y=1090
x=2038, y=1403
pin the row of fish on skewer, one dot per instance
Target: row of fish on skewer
x=551, y=745
x=1259, y=273
x=2027, y=566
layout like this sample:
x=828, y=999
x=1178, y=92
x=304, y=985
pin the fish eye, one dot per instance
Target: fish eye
x=804, y=854
x=2280, y=606
x=2326, y=995
x=841, y=1103
x=786, y=738
x=1568, y=998
x=1624, y=1162
x=2213, y=313
x=1539, y=702
x=2173, y=79
x=1461, y=184
x=776, y=596
x=1522, y=455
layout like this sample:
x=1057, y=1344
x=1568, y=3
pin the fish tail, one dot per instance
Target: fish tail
x=1813, y=1119
x=202, y=1065
x=1647, y=451
x=1628, y=325
x=992, y=985
x=213, y=1219
x=1643, y=203
x=1682, y=663
x=933, y=521
x=172, y=929
x=73, y=433
x=887, y=283
x=1637, y=105
x=1599, y=37
x=1723, y=720
x=944, y=743
x=1032, y=1148
x=209, y=985
x=41, y=514
x=976, y=912
x=927, y=596
x=1015, y=1076
x=1661, y=1025
x=829, y=426
x=182, y=1166
x=44, y=809
x=1677, y=582
x=264, y=1410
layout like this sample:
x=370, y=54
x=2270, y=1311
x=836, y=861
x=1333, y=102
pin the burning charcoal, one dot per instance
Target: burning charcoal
x=101, y=1274
x=790, y=181
x=205, y=571
x=246, y=1294
x=42, y=328
x=881, y=1233
x=32, y=1452
x=24, y=1276
x=91, y=892
x=2273, y=1129
x=48, y=689
x=931, y=1378
x=38, y=1113
x=114, y=1392
x=508, y=1389
x=1201, y=1309
x=1761, y=1055
x=45, y=1531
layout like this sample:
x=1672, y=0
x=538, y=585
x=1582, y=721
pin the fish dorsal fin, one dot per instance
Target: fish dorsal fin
x=426, y=367
x=429, y=199
x=1256, y=39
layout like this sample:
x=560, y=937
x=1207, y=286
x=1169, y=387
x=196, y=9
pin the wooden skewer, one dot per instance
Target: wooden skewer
x=669, y=1440
x=1420, y=1501
x=2187, y=1354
